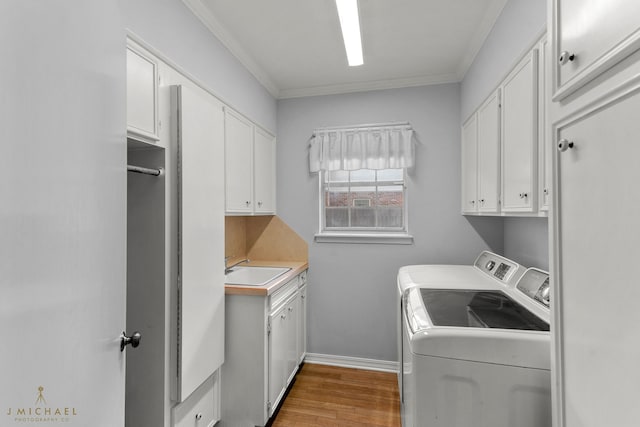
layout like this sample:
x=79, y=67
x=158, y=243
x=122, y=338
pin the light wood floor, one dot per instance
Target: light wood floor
x=331, y=396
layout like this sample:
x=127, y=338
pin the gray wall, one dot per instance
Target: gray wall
x=515, y=31
x=171, y=28
x=526, y=241
x=352, y=291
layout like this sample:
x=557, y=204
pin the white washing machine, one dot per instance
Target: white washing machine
x=474, y=345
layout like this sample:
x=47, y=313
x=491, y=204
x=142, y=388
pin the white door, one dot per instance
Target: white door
x=595, y=287
x=63, y=213
x=200, y=334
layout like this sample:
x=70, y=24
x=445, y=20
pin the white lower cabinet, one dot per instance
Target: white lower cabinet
x=201, y=408
x=263, y=350
x=283, y=360
x=302, y=318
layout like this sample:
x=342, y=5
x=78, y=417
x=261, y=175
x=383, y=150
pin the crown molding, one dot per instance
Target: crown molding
x=368, y=86
x=488, y=21
x=220, y=32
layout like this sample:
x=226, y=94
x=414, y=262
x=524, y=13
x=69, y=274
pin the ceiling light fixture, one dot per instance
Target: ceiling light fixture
x=350, y=24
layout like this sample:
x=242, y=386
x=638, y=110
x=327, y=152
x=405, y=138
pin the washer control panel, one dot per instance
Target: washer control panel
x=535, y=284
x=500, y=268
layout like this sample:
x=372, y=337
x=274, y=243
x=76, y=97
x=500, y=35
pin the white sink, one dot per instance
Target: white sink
x=253, y=276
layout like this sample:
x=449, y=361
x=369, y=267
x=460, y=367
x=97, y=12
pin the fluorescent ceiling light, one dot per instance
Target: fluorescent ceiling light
x=350, y=23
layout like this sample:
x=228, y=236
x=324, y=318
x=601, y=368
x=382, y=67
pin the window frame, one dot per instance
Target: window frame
x=387, y=235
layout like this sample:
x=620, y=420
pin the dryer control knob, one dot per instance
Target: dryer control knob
x=489, y=266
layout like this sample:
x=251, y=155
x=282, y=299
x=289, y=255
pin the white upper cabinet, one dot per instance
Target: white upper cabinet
x=470, y=165
x=249, y=167
x=591, y=36
x=264, y=179
x=489, y=155
x=142, y=96
x=238, y=155
x=519, y=136
x=505, y=165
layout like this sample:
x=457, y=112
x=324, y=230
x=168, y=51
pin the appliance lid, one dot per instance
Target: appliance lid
x=478, y=309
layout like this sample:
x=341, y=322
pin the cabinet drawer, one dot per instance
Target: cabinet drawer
x=279, y=296
x=200, y=409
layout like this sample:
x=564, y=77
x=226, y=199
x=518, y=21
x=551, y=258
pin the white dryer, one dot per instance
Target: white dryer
x=474, y=345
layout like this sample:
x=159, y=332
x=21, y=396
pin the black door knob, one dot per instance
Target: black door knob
x=134, y=340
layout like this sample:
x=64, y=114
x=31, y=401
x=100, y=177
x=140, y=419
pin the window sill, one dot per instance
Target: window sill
x=387, y=239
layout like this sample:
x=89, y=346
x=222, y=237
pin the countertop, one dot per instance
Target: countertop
x=297, y=267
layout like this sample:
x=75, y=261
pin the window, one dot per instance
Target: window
x=362, y=182
x=363, y=202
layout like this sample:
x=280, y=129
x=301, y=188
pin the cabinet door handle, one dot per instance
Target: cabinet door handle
x=564, y=145
x=283, y=316
x=290, y=309
x=198, y=416
x=259, y=204
x=247, y=203
x=566, y=57
x=523, y=195
x=473, y=202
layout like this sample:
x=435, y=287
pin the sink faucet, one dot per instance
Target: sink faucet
x=227, y=269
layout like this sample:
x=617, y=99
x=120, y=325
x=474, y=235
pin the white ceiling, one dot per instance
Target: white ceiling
x=294, y=47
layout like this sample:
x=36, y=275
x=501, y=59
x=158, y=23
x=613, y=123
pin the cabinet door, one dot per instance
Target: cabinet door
x=598, y=34
x=489, y=154
x=470, y=165
x=238, y=163
x=545, y=145
x=142, y=97
x=200, y=333
x=264, y=160
x=595, y=292
x=292, y=337
x=519, y=137
x=302, y=325
x=277, y=356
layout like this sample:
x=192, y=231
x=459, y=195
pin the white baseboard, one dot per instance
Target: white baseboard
x=352, y=362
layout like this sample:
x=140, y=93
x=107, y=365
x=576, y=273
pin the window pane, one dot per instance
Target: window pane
x=395, y=175
x=337, y=197
x=363, y=217
x=361, y=194
x=337, y=176
x=363, y=175
x=337, y=217
x=390, y=216
x=390, y=196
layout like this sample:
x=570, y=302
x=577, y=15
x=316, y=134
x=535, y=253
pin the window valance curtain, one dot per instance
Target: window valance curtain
x=370, y=147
